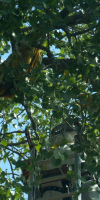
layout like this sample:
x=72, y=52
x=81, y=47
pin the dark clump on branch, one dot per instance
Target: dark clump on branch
x=25, y=55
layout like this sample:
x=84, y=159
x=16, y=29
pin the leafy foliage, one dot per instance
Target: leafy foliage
x=65, y=87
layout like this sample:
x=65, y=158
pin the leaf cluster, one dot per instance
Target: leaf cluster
x=64, y=88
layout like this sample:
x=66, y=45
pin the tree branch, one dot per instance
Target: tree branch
x=59, y=63
x=17, y=143
x=20, y=154
x=11, y=169
x=29, y=115
x=12, y=132
x=39, y=46
x=84, y=31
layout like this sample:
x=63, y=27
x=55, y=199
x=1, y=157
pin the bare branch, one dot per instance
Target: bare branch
x=29, y=115
x=12, y=132
x=17, y=143
x=59, y=63
x=11, y=169
x=19, y=153
x=39, y=46
x=84, y=31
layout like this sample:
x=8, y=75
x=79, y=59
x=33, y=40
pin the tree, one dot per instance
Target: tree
x=63, y=88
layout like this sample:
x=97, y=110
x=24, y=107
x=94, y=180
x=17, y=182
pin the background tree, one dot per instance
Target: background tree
x=64, y=88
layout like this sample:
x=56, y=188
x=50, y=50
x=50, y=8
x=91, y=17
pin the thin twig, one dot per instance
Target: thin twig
x=17, y=143
x=84, y=31
x=11, y=169
x=12, y=132
x=20, y=154
x=29, y=115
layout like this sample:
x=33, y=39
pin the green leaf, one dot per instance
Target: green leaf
x=63, y=141
x=47, y=154
x=89, y=2
x=38, y=178
x=26, y=118
x=16, y=110
x=26, y=189
x=69, y=174
x=4, y=142
x=38, y=147
x=65, y=155
x=6, y=1
x=51, y=2
x=67, y=95
x=5, y=127
x=19, y=163
x=57, y=113
x=55, y=162
x=67, y=18
x=4, y=159
x=49, y=77
x=42, y=1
